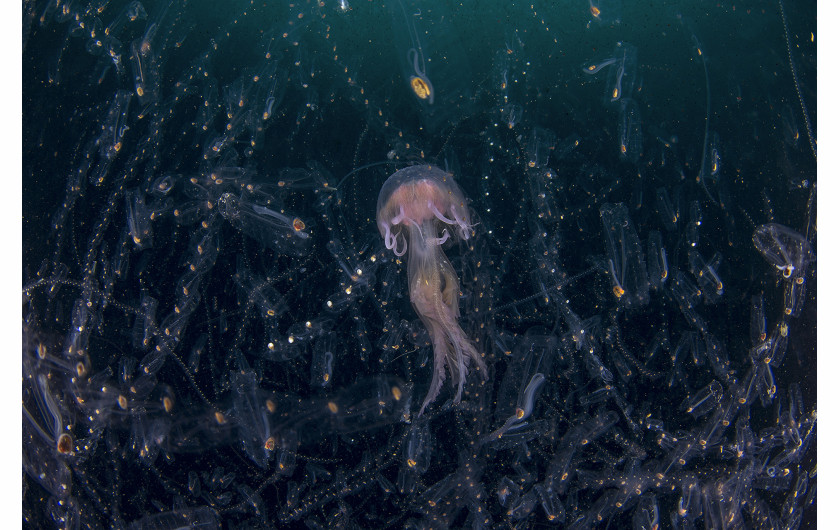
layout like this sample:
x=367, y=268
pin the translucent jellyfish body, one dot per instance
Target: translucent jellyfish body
x=419, y=209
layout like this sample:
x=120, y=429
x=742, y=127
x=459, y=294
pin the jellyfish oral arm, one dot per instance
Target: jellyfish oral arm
x=429, y=292
x=438, y=375
x=434, y=295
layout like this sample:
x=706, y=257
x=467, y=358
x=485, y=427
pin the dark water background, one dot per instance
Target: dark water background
x=172, y=332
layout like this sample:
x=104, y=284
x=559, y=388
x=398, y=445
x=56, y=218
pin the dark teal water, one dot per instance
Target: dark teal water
x=216, y=334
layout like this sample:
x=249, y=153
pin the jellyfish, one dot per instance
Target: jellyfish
x=419, y=209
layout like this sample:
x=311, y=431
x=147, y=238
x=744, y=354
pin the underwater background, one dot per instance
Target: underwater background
x=215, y=335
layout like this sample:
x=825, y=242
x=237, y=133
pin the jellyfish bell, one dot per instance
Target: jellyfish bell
x=419, y=209
x=426, y=198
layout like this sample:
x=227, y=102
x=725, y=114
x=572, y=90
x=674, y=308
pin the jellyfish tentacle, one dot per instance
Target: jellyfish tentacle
x=389, y=237
x=462, y=223
x=439, y=215
x=405, y=246
x=441, y=240
x=399, y=218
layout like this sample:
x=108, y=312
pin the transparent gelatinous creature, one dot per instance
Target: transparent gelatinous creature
x=419, y=209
